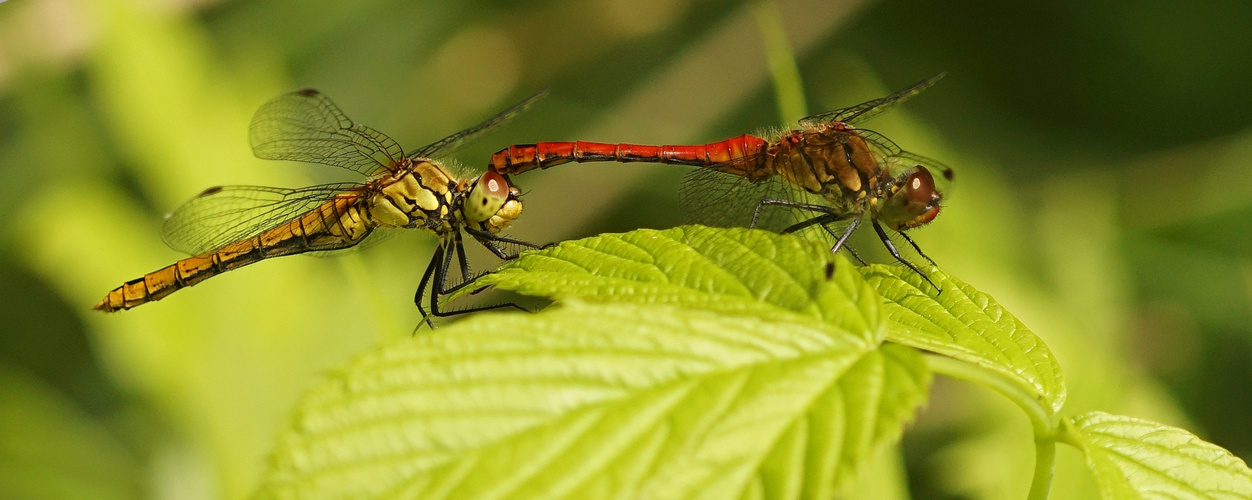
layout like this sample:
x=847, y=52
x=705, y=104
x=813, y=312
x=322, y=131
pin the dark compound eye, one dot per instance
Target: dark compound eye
x=920, y=187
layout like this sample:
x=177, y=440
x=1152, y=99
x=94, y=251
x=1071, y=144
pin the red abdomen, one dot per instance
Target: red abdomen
x=738, y=155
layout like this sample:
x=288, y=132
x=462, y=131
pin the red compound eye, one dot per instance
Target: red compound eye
x=920, y=187
x=494, y=185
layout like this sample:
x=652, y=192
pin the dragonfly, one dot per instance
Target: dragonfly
x=826, y=173
x=228, y=227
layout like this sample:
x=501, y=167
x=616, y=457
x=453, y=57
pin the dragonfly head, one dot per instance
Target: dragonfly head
x=493, y=202
x=913, y=200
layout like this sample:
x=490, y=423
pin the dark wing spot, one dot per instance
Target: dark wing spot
x=307, y=92
x=212, y=190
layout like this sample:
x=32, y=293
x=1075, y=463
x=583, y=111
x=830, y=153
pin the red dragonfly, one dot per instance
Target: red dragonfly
x=826, y=173
x=228, y=227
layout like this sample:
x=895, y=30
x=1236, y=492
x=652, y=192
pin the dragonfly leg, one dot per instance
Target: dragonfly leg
x=440, y=288
x=497, y=250
x=439, y=285
x=919, y=249
x=489, y=240
x=426, y=278
x=843, y=238
x=882, y=235
x=506, y=239
x=460, y=254
x=855, y=256
x=468, y=310
x=820, y=220
x=832, y=234
x=785, y=203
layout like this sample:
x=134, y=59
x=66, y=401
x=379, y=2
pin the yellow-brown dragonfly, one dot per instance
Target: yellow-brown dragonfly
x=228, y=227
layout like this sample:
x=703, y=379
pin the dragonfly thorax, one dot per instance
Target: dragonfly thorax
x=414, y=197
x=855, y=176
x=834, y=163
x=425, y=195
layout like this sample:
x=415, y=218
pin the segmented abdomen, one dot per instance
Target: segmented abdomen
x=338, y=223
x=732, y=155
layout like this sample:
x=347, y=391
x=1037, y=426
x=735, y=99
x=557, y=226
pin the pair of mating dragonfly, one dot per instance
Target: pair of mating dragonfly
x=823, y=174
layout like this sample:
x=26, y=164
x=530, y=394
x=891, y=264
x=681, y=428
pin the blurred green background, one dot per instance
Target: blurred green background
x=1103, y=154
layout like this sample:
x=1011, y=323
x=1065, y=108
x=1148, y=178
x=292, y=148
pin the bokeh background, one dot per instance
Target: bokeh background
x=1103, y=154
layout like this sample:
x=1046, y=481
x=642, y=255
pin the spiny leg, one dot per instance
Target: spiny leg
x=919, y=249
x=820, y=220
x=843, y=238
x=499, y=252
x=882, y=235
x=440, y=285
x=784, y=203
x=835, y=235
x=460, y=254
x=489, y=240
x=855, y=256
x=436, y=276
x=441, y=288
x=827, y=217
x=426, y=278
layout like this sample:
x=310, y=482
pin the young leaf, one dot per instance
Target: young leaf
x=1133, y=458
x=968, y=325
x=738, y=271
x=602, y=401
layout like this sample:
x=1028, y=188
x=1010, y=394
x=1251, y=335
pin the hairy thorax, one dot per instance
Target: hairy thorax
x=420, y=196
x=834, y=163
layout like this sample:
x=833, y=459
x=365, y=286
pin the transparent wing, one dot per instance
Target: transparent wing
x=723, y=195
x=715, y=198
x=455, y=141
x=306, y=126
x=226, y=214
x=376, y=236
x=896, y=160
x=869, y=109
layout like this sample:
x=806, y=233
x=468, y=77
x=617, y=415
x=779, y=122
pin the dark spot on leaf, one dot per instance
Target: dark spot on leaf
x=830, y=270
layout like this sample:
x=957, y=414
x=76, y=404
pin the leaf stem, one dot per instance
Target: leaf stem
x=1045, y=467
x=1041, y=418
x=788, y=89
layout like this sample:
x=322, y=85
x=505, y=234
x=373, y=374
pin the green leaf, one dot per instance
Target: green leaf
x=1133, y=459
x=739, y=271
x=967, y=325
x=732, y=363
x=601, y=401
